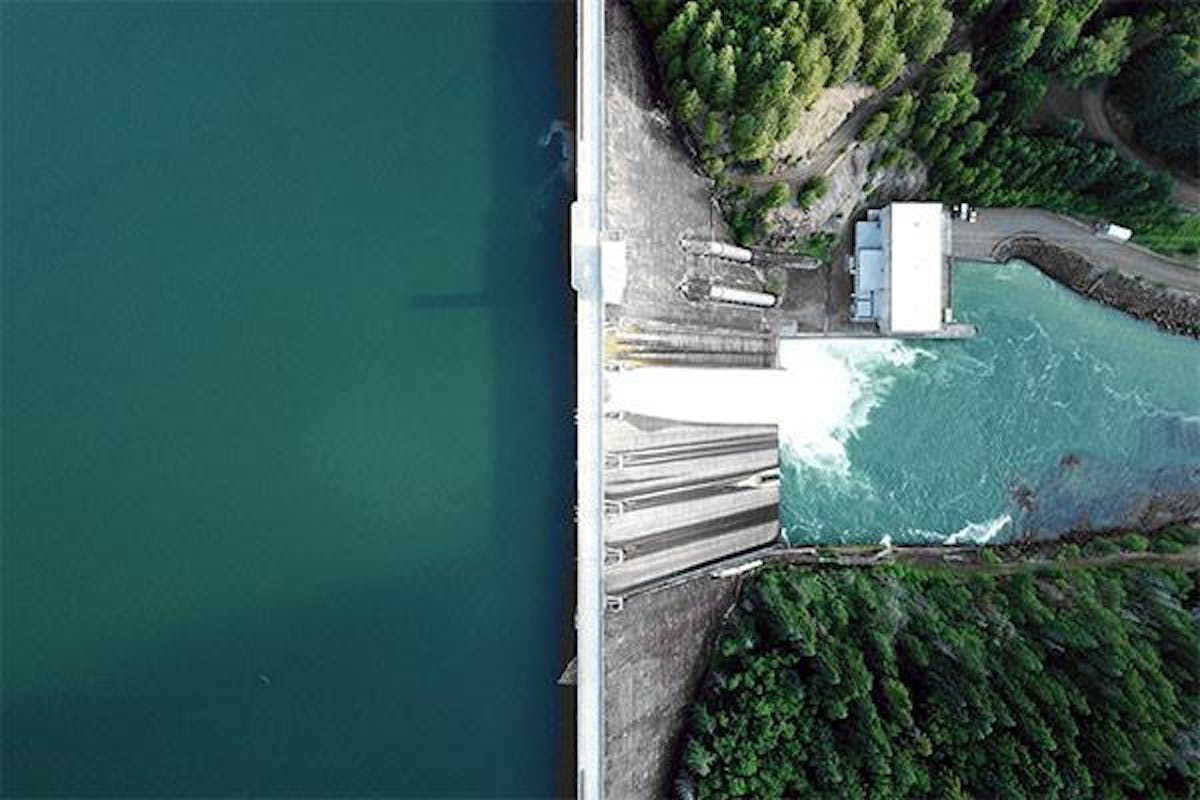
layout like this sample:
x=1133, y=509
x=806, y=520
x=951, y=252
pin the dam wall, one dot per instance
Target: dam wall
x=681, y=495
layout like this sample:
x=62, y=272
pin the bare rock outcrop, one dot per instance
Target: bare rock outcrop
x=851, y=178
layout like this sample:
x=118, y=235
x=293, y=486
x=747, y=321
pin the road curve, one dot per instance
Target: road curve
x=1097, y=124
x=822, y=158
x=978, y=240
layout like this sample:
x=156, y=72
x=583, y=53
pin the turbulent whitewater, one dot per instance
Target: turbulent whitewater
x=819, y=399
x=1060, y=415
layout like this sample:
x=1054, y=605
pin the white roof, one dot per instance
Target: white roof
x=915, y=269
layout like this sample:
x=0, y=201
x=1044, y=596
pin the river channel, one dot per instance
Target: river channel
x=1061, y=414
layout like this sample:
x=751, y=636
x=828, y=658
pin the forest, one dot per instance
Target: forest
x=740, y=72
x=1160, y=87
x=975, y=123
x=978, y=149
x=932, y=681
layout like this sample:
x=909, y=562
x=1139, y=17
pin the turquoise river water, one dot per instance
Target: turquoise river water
x=287, y=440
x=1061, y=414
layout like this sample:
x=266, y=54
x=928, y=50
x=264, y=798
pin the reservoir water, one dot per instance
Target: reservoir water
x=287, y=441
x=1061, y=414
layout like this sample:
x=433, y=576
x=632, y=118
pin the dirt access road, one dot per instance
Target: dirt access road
x=822, y=159
x=1094, y=110
x=967, y=557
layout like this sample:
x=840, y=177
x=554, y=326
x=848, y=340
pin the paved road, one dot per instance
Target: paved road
x=587, y=226
x=1099, y=126
x=978, y=240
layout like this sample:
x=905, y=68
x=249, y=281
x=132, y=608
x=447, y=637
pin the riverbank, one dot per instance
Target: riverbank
x=667, y=637
x=968, y=667
x=1170, y=309
x=1176, y=544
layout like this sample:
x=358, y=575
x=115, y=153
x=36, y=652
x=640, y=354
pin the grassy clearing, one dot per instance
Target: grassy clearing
x=1179, y=239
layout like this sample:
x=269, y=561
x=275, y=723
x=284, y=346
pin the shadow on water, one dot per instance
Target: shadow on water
x=373, y=729
x=540, y=289
x=1084, y=493
x=513, y=295
x=443, y=302
x=516, y=294
x=564, y=56
x=382, y=729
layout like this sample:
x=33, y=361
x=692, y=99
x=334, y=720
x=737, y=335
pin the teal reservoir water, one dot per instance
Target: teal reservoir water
x=1060, y=415
x=287, y=440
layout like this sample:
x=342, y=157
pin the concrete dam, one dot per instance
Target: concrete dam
x=679, y=496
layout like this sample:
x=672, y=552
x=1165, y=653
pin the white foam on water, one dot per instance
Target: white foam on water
x=837, y=385
x=979, y=532
x=820, y=399
x=707, y=396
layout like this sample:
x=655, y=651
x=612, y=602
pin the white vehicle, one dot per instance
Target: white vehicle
x=1113, y=231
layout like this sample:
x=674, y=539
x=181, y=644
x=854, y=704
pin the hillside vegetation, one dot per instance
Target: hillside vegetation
x=985, y=149
x=903, y=682
x=978, y=150
x=1160, y=87
x=740, y=73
